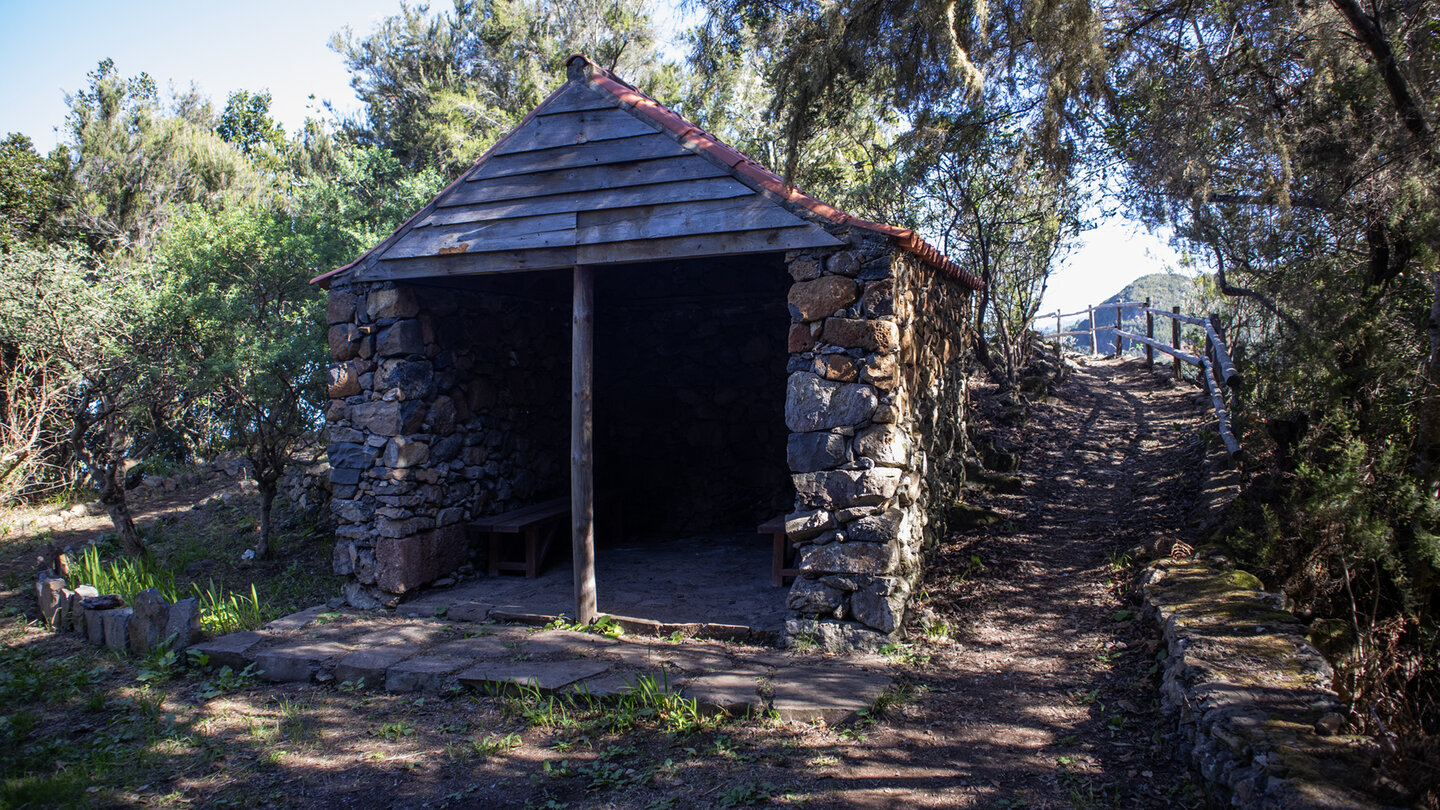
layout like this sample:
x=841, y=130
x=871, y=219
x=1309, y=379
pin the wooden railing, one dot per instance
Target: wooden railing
x=1214, y=365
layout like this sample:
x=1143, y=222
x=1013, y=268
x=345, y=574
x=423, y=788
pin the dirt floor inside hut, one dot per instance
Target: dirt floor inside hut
x=1033, y=686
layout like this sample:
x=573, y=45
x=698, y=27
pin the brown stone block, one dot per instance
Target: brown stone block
x=813, y=300
x=804, y=268
x=841, y=368
x=405, y=563
x=881, y=371
x=397, y=303
x=800, y=338
x=344, y=340
x=400, y=339
x=857, y=333
x=344, y=382
x=844, y=263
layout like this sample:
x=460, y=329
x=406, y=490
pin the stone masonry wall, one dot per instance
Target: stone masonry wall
x=447, y=403
x=874, y=403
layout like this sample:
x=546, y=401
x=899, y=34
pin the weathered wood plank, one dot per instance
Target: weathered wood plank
x=552, y=230
x=576, y=98
x=545, y=132
x=682, y=219
x=726, y=244
x=716, y=188
x=468, y=264
x=585, y=178
x=598, y=153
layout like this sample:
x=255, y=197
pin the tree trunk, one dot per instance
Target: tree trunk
x=1427, y=446
x=268, y=487
x=111, y=483
x=982, y=346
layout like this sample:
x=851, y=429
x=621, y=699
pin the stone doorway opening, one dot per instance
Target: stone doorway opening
x=690, y=365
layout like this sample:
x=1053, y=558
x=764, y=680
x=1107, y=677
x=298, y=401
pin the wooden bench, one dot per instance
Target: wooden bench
x=536, y=524
x=780, y=550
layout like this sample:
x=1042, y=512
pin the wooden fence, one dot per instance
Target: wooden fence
x=1214, y=365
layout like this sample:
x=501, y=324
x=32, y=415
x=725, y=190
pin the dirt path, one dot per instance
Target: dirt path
x=1046, y=697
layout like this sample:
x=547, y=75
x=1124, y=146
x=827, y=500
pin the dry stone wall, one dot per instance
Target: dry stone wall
x=875, y=406
x=446, y=403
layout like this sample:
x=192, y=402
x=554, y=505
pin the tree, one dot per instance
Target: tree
x=246, y=122
x=30, y=191
x=1007, y=217
x=241, y=279
x=114, y=350
x=134, y=162
x=440, y=88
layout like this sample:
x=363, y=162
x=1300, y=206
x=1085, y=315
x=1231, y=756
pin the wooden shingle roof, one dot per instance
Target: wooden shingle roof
x=599, y=174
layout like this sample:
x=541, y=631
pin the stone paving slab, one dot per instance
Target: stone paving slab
x=567, y=643
x=425, y=654
x=295, y=621
x=370, y=665
x=638, y=654
x=811, y=693
x=297, y=661
x=614, y=684
x=469, y=610
x=477, y=647
x=547, y=676
x=418, y=633
x=426, y=673
x=229, y=651
x=735, y=693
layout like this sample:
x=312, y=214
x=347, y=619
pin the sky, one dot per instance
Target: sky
x=47, y=48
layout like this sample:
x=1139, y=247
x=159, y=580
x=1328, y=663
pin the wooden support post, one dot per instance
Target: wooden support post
x=1119, y=325
x=582, y=460
x=1175, y=338
x=1058, y=339
x=1149, y=333
x=1094, y=348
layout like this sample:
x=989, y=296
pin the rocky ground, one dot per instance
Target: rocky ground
x=1031, y=683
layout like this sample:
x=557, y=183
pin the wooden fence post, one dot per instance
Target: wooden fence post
x=1149, y=333
x=1058, y=339
x=1094, y=348
x=1175, y=338
x=1119, y=315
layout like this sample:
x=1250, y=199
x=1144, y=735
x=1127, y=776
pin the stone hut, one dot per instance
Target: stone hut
x=755, y=353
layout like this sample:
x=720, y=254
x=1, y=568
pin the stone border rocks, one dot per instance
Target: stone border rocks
x=1252, y=697
x=104, y=619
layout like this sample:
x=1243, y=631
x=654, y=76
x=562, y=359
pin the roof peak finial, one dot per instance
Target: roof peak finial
x=578, y=68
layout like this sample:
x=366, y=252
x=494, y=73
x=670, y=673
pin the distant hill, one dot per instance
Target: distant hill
x=1165, y=290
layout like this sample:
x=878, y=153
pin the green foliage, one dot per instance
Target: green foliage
x=222, y=612
x=136, y=163
x=125, y=576
x=30, y=191
x=246, y=122
x=226, y=680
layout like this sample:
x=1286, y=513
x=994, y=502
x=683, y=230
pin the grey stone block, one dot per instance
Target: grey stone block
x=49, y=589
x=116, y=628
x=182, y=623
x=147, y=623
x=230, y=650
x=297, y=662
x=370, y=665
x=423, y=674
